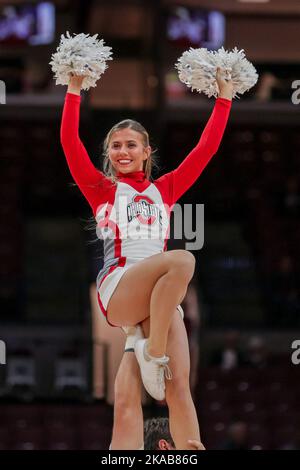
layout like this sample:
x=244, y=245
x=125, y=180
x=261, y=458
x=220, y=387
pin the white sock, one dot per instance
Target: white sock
x=133, y=333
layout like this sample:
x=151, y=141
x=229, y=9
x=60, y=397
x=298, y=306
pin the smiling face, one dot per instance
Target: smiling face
x=127, y=150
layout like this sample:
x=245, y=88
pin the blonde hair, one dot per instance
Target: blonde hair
x=148, y=164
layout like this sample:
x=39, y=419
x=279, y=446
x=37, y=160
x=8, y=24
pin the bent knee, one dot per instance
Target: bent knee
x=182, y=261
x=125, y=398
x=125, y=403
x=124, y=415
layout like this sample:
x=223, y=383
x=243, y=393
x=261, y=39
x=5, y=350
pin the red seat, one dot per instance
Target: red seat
x=61, y=437
x=28, y=438
x=283, y=435
x=259, y=438
x=213, y=436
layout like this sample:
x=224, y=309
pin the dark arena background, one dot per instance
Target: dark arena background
x=58, y=356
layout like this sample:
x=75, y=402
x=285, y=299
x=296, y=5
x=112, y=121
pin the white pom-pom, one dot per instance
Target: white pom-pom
x=240, y=70
x=80, y=54
x=197, y=68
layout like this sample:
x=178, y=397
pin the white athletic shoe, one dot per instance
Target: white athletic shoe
x=153, y=371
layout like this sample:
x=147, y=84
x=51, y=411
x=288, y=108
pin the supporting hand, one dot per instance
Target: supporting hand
x=197, y=445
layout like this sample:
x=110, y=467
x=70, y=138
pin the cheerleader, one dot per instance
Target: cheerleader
x=141, y=282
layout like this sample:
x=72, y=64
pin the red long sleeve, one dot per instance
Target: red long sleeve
x=98, y=189
x=92, y=183
x=181, y=179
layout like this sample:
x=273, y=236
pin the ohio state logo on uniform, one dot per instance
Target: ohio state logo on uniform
x=144, y=209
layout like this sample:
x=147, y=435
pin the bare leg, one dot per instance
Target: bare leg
x=153, y=287
x=128, y=427
x=182, y=414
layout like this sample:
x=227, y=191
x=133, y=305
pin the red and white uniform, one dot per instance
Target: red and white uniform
x=133, y=214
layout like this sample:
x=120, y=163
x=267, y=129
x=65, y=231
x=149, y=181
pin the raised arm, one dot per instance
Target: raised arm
x=191, y=168
x=92, y=183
